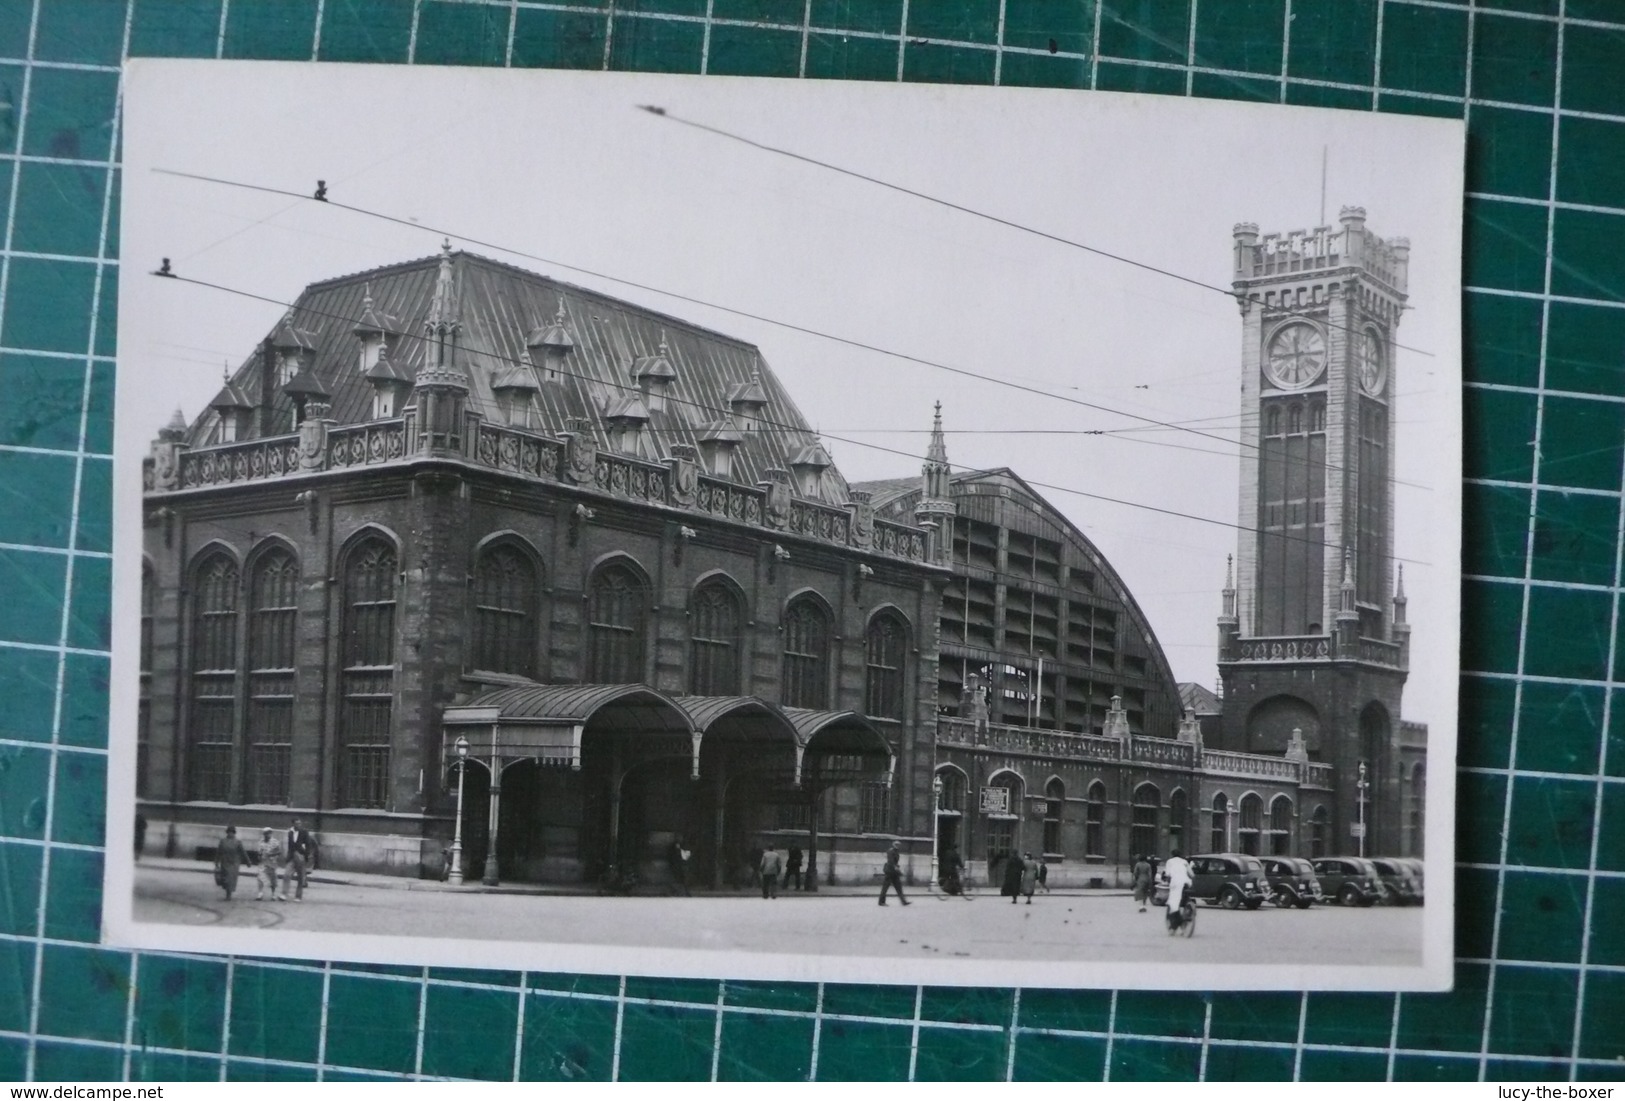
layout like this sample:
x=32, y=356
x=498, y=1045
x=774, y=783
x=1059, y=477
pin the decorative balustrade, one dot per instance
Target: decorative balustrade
x=833, y=525
x=1249, y=764
x=323, y=446
x=627, y=477
x=899, y=540
x=1062, y=745
x=1378, y=652
x=365, y=444
x=518, y=452
x=1285, y=648
x=227, y=464
x=735, y=502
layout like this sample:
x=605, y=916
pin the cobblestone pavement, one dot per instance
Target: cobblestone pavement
x=1104, y=926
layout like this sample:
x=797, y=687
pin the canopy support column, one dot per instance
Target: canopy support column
x=493, y=872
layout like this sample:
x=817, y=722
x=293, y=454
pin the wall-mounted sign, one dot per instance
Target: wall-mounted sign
x=995, y=800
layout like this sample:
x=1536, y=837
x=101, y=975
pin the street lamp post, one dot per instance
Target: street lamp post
x=455, y=876
x=1361, y=786
x=936, y=828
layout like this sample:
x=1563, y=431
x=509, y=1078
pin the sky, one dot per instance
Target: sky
x=565, y=171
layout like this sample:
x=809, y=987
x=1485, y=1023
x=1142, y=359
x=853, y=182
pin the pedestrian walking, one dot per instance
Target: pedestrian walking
x=1142, y=881
x=270, y=855
x=677, y=858
x=229, y=858
x=792, y=867
x=1029, y=877
x=298, y=854
x=771, y=868
x=1011, y=888
x=892, y=875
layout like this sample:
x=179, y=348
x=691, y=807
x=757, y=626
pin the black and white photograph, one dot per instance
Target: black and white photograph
x=786, y=530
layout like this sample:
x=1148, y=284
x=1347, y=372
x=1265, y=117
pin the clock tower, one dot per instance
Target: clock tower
x=1314, y=649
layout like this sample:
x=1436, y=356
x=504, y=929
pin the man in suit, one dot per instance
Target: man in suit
x=298, y=852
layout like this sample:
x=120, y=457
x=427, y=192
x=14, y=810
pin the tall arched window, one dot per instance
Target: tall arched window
x=885, y=644
x=1320, y=830
x=143, y=715
x=616, y=626
x=1179, y=811
x=951, y=793
x=369, y=674
x=1220, y=839
x=1294, y=419
x=1419, y=808
x=505, y=611
x=273, y=618
x=806, y=655
x=1054, y=803
x=212, y=732
x=1272, y=421
x=1143, y=830
x=1252, y=824
x=1280, y=826
x=1004, y=827
x=1094, y=820
x=714, y=619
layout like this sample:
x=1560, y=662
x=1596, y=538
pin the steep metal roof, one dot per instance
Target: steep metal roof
x=636, y=706
x=499, y=308
x=837, y=732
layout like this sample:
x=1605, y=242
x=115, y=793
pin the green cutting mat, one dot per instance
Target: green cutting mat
x=1540, y=984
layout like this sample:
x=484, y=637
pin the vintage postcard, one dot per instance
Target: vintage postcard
x=653, y=525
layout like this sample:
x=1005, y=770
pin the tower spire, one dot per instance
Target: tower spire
x=440, y=327
x=1229, y=587
x=936, y=509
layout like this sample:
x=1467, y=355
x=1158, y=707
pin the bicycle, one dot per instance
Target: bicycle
x=952, y=885
x=1182, y=922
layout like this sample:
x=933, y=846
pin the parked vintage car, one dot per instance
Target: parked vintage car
x=1292, y=881
x=1399, y=883
x=1416, y=869
x=1231, y=880
x=1351, y=880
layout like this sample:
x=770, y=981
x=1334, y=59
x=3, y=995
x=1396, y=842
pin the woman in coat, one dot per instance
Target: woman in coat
x=1012, y=878
x=229, y=858
x=1142, y=881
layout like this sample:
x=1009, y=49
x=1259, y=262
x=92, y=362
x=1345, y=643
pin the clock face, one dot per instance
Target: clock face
x=1369, y=362
x=1296, y=356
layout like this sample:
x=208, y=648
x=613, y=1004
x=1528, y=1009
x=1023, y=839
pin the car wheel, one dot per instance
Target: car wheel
x=1285, y=896
x=1254, y=903
x=1305, y=903
x=1368, y=900
x=1231, y=899
x=1348, y=896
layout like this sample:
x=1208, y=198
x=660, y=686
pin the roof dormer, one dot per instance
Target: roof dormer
x=235, y=410
x=373, y=331
x=310, y=397
x=390, y=385
x=294, y=349
x=625, y=417
x=654, y=375
x=747, y=400
x=807, y=465
x=548, y=345
x=513, y=388
x=718, y=441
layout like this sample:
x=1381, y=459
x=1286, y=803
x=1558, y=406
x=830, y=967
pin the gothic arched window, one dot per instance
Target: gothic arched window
x=1178, y=811
x=368, y=677
x=1252, y=824
x=951, y=796
x=1220, y=839
x=273, y=619
x=1143, y=829
x=1320, y=829
x=1294, y=419
x=505, y=611
x=1094, y=820
x=212, y=730
x=806, y=655
x=714, y=620
x=143, y=719
x=1280, y=826
x=1317, y=417
x=1272, y=421
x=616, y=626
x=885, y=645
x=1054, y=803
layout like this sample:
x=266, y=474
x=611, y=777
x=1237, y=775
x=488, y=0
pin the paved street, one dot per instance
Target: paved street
x=1102, y=926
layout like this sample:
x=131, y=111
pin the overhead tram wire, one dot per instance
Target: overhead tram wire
x=791, y=326
x=709, y=409
x=661, y=112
